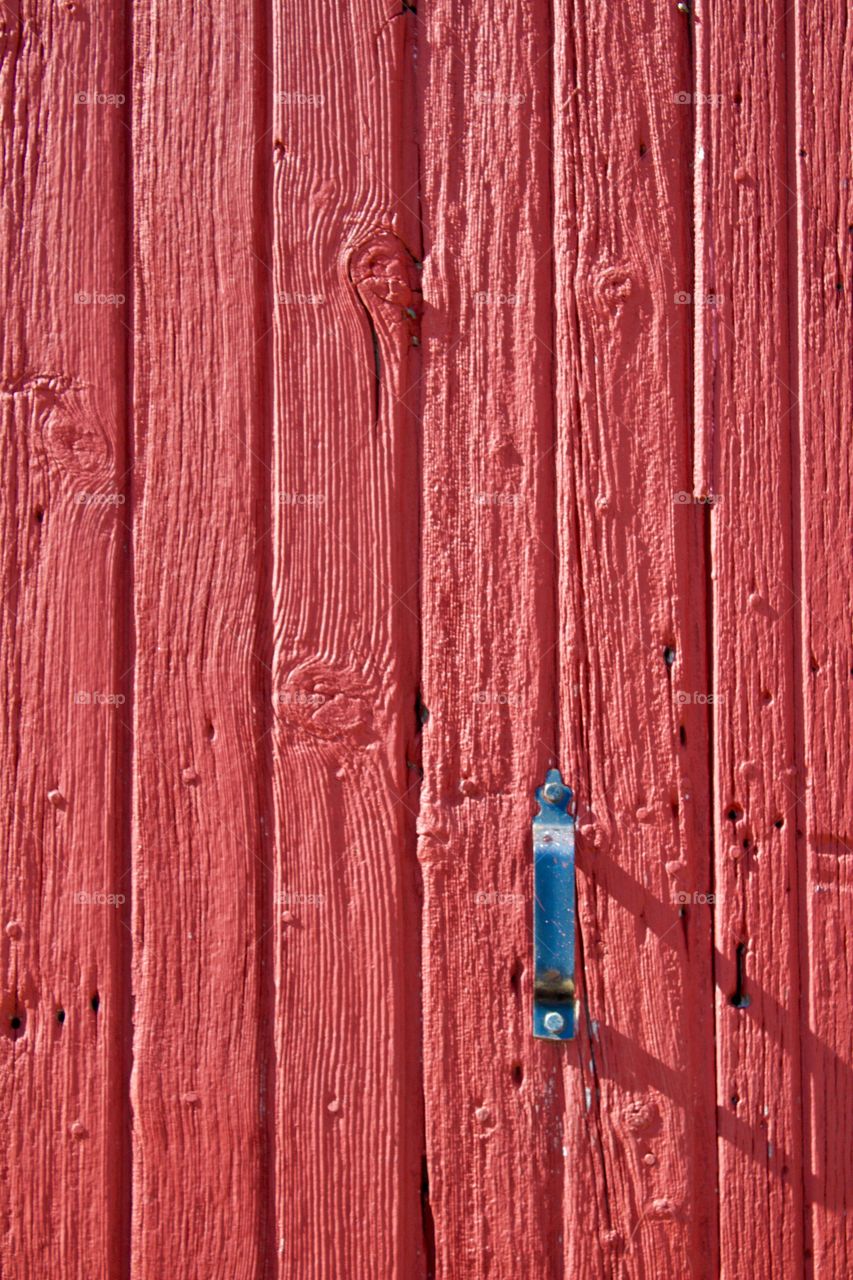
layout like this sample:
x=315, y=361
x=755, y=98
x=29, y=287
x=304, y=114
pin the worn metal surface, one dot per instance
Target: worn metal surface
x=554, y=912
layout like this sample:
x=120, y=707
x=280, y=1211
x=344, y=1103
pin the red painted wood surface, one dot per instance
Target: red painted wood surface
x=64, y=742
x=494, y=1109
x=201, y=864
x=747, y=244
x=822, y=333
x=345, y=293
x=633, y=639
x=396, y=404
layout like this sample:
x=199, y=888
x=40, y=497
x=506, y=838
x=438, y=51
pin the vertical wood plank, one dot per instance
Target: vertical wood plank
x=346, y=285
x=199, y=864
x=63, y=254
x=634, y=683
x=820, y=147
x=494, y=1099
x=745, y=242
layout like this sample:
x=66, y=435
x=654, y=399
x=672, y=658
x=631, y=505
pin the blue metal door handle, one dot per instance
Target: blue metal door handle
x=554, y=912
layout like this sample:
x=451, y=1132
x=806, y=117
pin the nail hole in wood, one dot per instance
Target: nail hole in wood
x=421, y=712
x=515, y=976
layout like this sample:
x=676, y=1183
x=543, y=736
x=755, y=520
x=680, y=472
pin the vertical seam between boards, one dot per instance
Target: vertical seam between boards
x=412, y=102
x=262, y=448
x=794, y=239
x=703, y=373
x=126, y=770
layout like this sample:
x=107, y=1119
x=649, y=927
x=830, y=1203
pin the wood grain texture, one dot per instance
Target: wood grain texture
x=63, y=260
x=746, y=227
x=494, y=1096
x=820, y=284
x=346, y=287
x=200, y=867
x=634, y=683
x=396, y=404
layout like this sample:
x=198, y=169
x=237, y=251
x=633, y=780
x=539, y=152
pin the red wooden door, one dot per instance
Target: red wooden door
x=398, y=401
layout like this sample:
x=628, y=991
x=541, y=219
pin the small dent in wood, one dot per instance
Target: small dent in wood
x=506, y=452
x=515, y=975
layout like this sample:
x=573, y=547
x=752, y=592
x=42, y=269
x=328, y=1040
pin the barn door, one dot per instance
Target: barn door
x=400, y=402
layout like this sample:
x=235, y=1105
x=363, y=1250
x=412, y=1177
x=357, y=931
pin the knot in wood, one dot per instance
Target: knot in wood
x=383, y=272
x=639, y=1115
